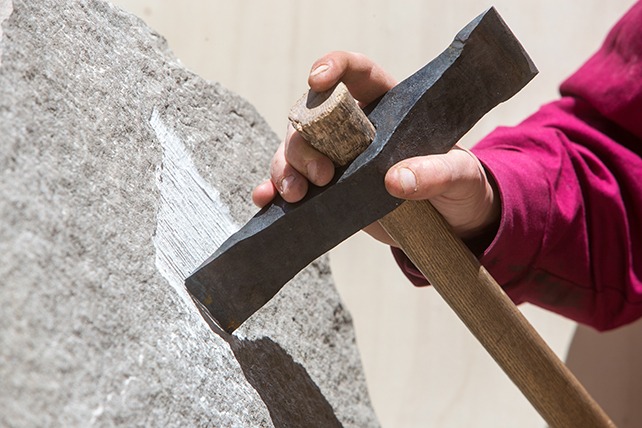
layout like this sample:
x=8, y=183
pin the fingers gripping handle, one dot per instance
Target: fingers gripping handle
x=334, y=124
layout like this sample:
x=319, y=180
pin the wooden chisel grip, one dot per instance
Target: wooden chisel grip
x=333, y=119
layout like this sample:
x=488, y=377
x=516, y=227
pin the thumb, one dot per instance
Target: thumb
x=455, y=173
x=456, y=185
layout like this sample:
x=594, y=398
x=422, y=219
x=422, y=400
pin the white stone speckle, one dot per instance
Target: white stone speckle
x=6, y=8
x=98, y=411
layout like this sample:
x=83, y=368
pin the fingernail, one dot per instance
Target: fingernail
x=320, y=69
x=313, y=170
x=285, y=184
x=407, y=180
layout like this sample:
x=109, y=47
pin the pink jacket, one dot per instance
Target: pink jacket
x=570, y=181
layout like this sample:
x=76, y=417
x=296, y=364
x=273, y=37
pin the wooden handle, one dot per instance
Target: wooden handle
x=333, y=123
x=455, y=273
x=492, y=317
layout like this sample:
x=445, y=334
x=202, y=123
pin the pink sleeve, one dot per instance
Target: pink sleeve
x=570, y=182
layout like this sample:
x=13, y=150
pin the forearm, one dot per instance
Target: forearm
x=570, y=236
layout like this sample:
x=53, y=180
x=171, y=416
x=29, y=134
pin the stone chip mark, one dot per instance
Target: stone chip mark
x=192, y=220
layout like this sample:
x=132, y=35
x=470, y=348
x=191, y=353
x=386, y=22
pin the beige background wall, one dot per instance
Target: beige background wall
x=423, y=368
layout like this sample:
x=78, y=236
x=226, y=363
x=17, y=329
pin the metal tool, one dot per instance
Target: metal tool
x=425, y=114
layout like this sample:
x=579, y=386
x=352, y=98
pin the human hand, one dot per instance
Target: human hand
x=455, y=182
x=296, y=163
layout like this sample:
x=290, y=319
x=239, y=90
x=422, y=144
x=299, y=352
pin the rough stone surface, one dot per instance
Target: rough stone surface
x=119, y=171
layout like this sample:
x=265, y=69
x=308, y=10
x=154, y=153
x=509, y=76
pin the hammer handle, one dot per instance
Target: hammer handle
x=425, y=237
x=491, y=316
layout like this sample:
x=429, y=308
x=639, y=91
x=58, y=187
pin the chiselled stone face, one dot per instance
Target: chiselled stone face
x=120, y=172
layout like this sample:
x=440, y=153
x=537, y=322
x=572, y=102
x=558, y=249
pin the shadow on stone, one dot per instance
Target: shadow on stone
x=287, y=390
x=291, y=396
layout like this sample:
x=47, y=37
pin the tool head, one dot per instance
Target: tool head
x=425, y=114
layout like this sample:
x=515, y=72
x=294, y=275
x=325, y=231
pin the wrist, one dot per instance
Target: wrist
x=487, y=212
